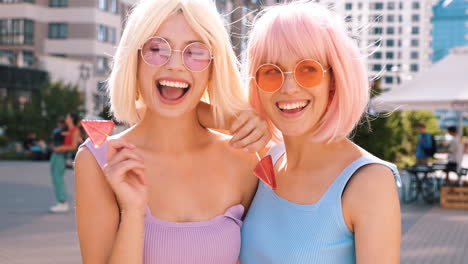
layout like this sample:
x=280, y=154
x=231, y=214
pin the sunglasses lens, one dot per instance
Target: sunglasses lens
x=308, y=73
x=197, y=56
x=156, y=51
x=269, y=77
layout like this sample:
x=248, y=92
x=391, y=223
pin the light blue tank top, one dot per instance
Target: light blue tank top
x=277, y=231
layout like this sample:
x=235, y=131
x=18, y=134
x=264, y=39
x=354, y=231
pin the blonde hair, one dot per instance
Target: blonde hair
x=308, y=30
x=224, y=87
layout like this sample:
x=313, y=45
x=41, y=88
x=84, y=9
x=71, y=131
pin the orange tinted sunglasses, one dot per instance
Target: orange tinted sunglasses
x=307, y=73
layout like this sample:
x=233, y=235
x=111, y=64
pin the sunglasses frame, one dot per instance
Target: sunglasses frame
x=290, y=72
x=174, y=50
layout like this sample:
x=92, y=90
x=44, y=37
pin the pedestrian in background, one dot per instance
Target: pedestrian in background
x=71, y=140
x=452, y=161
x=423, y=146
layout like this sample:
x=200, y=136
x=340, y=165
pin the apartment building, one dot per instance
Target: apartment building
x=73, y=40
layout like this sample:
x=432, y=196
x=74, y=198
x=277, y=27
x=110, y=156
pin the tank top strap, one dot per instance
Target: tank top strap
x=276, y=152
x=338, y=186
x=99, y=153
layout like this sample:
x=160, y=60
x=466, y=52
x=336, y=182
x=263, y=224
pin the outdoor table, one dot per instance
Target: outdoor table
x=425, y=185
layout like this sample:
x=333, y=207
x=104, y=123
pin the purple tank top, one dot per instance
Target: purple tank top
x=216, y=241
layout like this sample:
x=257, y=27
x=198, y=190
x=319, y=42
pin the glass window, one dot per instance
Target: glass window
x=28, y=32
x=389, y=55
x=390, y=43
x=349, y=6
x=415, y=18
x=58, y=30
x=415, y=30
x=414, y=42
x=389, y=79
x=415, y=55
x=378, y=55
x=101, y=33
x=416, y=5
x=390, y=30
x=102, y=64
x=16, y=31
x=391, y=5
x=58, y=3
x=378, y=6
x=414, y=67
x=390, y=18
x=377, y=67
x=114, y=6
x=389, y=67
x=378, y=30
x=111, y=36
x=102, y=4
x=28, y=58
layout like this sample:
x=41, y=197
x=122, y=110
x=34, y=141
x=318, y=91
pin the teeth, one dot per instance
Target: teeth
x=174, y=84
x=286, y=106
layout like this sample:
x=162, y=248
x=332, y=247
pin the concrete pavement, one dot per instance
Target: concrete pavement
x=29, y=234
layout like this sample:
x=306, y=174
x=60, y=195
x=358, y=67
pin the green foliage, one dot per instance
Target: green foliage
x=40, y=113
x=393, y=136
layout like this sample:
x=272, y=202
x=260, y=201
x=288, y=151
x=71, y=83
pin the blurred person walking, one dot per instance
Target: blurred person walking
x=424, y=145
x=71, y=140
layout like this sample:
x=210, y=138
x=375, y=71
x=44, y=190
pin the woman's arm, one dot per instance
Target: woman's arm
x=105, y=234
x=75, y=142
x=97, y=213
x=371, y=209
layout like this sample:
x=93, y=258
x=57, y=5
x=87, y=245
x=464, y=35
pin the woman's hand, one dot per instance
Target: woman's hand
x=250, y=132
x=124, y=171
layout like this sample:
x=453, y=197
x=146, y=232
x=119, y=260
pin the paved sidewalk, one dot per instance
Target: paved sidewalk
x=29, y=234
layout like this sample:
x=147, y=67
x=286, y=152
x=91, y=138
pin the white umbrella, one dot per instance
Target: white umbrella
x=443, y=86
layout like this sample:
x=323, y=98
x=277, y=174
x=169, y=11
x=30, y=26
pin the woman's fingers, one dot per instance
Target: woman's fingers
x=117, y=172
x=241, y=120
x=114, y=145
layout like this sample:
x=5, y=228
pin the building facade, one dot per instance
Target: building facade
x=73, y=40
x=394, y=34
x=450, y=27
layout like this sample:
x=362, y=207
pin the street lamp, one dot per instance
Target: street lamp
x=84, y=76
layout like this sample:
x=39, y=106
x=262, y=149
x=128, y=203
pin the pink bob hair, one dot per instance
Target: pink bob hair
x=309, y=30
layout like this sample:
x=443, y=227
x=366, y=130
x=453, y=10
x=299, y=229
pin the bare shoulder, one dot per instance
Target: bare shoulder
x=371, y=188
x=245, y=160
x=240, y=163
x=85, y=160
x=372, y=180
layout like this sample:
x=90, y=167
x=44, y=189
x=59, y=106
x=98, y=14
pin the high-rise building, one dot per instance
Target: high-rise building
x=72, y=40
x=450, y=27
x=395, y=34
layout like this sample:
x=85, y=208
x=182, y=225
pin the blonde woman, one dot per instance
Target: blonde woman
x=168, y=190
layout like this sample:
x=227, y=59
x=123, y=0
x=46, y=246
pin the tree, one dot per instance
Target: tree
x=41, y=112
x=393, y=136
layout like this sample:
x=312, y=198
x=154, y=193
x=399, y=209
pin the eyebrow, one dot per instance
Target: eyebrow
x=186, y=42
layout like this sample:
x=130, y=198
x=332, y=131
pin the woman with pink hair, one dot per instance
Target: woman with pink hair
x=334, y=201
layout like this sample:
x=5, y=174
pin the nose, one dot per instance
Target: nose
x=175, y=61
x=289, y=85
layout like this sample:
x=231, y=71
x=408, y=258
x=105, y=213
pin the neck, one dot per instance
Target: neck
x=302, y=153
x=172, y=134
